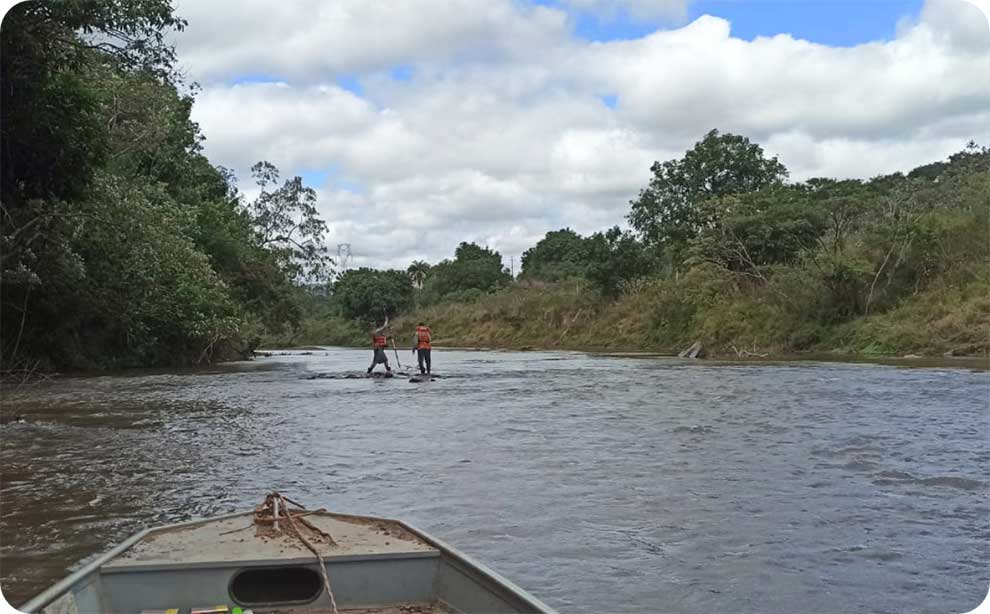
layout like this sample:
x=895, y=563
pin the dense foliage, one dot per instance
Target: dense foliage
x=559, y=255
x=610, y=260
x=891, y=265
x=370, y=295
x=667, y=214
x=474, y=271
x=730, y=255
x=121, y=244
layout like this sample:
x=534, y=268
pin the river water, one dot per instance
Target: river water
x=600, y=484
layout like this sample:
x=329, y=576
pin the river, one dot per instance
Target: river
x=598, y=483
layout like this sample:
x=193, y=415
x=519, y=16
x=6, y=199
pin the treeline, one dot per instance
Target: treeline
x=343, y=311
x=121, y=244
x=725, y=210
x=723, y=249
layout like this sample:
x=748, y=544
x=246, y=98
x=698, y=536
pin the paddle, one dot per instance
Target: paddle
x=397, y=363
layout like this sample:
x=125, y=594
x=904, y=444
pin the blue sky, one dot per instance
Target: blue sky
x=830, y=22
x=315, y=178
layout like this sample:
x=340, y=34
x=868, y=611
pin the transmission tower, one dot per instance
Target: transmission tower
x=343, y=256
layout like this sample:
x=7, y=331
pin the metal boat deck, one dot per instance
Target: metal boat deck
x=235, y=540
x=375, y=566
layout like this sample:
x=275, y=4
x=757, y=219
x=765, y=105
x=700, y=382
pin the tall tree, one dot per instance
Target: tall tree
x=289, y=224
x=558, y=255
x=52, y=138
x=120, y=244
x=617, y=259
x=418, y=271
x=668, y=213
x=473, y=268
x=756, y=229
x=368, y=294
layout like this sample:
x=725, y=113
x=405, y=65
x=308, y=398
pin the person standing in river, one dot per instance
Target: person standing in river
x=422, y=347
x=379, y=341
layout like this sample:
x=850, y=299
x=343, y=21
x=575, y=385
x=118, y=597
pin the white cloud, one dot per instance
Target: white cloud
x=309, y=39
x=501, y=132
x=960, y=24
x=679, y=82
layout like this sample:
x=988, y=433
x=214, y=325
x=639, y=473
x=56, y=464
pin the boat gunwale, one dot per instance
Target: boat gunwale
x=55, y=591
x=64, y=585
x=111, y=568
x=484, y=570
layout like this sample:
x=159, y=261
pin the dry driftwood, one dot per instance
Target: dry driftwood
x=695, y=351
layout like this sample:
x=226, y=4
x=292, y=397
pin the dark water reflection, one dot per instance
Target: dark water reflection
x=601, y=484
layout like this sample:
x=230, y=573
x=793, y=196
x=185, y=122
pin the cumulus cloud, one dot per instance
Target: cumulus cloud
x=505, y=125
x=313, y=39
x=680, y=81
x=962, y=25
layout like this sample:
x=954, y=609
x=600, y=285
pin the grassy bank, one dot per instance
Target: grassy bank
x=728, y=317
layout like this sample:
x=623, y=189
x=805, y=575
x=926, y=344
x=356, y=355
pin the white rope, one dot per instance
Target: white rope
x=323, y=565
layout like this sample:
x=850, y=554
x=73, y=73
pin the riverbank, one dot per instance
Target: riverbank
x=731, y=319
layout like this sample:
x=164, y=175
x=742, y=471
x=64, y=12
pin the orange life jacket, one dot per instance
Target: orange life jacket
x=378, y=341
x=423, y=337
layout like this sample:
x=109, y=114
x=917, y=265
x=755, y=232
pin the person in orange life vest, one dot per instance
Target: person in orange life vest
x=422, y=340
x=379, y=341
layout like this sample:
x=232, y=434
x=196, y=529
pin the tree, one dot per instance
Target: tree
x=617, y=259
x=51, y=133
x=121, y=245
x=473, y=268
x=558, y=255
x=289, y=224
x=418, y=272
x=64, y=269
x=929, y=225
x=770, y=226
x=668, y=213
x=369, y=294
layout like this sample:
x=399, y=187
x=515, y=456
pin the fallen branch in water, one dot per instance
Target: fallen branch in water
x=29, y=374
x=747, y=354
x=209, y=349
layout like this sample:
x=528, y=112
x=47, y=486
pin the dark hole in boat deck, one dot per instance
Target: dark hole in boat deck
x=276, y=586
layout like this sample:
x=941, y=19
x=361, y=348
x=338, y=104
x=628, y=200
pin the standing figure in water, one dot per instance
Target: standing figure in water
x=379, y=341
x=423, y=337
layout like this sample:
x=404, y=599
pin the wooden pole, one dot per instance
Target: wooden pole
x=397, y=363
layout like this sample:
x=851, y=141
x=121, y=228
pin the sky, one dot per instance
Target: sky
x=424, y=123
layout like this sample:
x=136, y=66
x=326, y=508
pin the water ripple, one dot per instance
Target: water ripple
x=601, y=484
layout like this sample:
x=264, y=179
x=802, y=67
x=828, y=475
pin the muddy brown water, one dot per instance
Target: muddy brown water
x=598, y=483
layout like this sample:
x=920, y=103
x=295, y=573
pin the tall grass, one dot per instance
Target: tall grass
x=709, y=305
